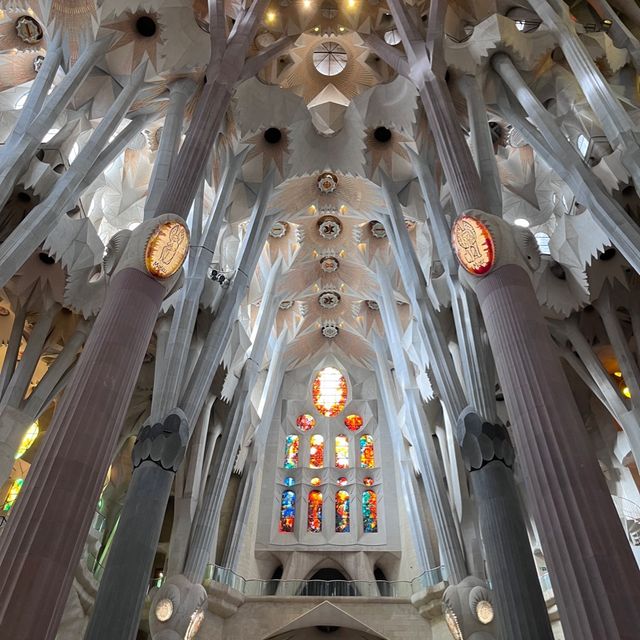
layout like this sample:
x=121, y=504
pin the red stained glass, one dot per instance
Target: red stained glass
x=367, y=458
x=342, y=512
x=329, y=392
x=305, y=422
x=316, y=452
x=342, y=481
x=353, y=422
x=368, y=482
x=314, y=512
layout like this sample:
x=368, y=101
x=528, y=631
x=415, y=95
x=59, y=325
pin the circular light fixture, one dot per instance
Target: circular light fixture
x=29, y=30
x=166, y=249
x=452, y=622
x=146, y=26
x=330, y=331
x=279, y=230
x=194, y=625
x=473, y=245
x=272, y=135
x=286, y=304
x=377, y=230
x=329, y=264
x=329, y=227
x=521, y=222
x=329, y=299
x=484, y=612
x=327, y=183
x=373, y=305
x=164, y=609
x=329, y=59
x=392, y=37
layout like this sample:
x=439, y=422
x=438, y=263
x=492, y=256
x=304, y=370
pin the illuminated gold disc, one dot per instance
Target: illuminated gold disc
x=473, y=245
x=166, y=249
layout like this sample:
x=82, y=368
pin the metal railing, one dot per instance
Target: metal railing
x=325, y=588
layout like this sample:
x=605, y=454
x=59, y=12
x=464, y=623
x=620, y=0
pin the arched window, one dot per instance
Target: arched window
x=370, y=511
x=314, y=512
x=342, y=452
x=287, y=511
x=316, y=452
x=291, y=446
x=329, y=392
x=367, y=458
x=342, y=511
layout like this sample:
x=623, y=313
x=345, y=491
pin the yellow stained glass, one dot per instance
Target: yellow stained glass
x=27, y=440
x=329, y=392
x=12, y=494
x=342, y=452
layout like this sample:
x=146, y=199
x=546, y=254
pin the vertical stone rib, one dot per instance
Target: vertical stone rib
x=45, y=535
x=595, y=576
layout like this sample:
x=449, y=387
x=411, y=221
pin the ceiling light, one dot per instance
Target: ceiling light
x=270, y=16
x=521, y=222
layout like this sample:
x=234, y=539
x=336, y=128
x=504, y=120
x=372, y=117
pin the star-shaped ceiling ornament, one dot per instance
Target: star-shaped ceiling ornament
x=141, y=34
x=306, y=80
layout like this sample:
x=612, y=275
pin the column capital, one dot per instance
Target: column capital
x=482, y=442
x=163, y=443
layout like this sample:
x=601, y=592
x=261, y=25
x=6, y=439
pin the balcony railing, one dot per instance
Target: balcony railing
x=325, y=588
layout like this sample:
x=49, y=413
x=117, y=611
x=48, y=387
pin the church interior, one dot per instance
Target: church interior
x=319, y=318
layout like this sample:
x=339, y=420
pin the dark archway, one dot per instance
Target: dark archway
x=328, y=582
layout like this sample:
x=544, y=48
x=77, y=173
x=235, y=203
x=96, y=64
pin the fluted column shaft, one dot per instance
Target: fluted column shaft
x=521, y=609
x=595, y=576
x=157, y=453
x=43, y=541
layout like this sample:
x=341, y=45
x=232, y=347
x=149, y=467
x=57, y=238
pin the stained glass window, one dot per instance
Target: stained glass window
x=287, y=511
x=342, y=452
x=289, y=481
x=314, y=513
x=342, y=481
x=316, y=451
x=353, y=422
x=342, y=511
x=305, y=422
x=368, y=482
x=329, y=392
x=367, y=459
x=12, y=494
x=315, y=481
x=370, y=511
x=27, y=440
x=291, y=446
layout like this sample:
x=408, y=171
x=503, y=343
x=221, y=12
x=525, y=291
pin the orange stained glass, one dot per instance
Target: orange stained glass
x=473, y=245
x=305, y=422
x=329, y=392
x=353, y=422
x=342, y=511
x=342, y=452
x=367, y=458
x=314, y=512
x=368, y=482
x=166, y=249
x=316, y=451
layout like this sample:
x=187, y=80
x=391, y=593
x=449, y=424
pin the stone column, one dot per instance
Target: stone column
x=157, y=454
x=595, y=576
x=521, y=611
x=179, y=93
x=42, y=543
